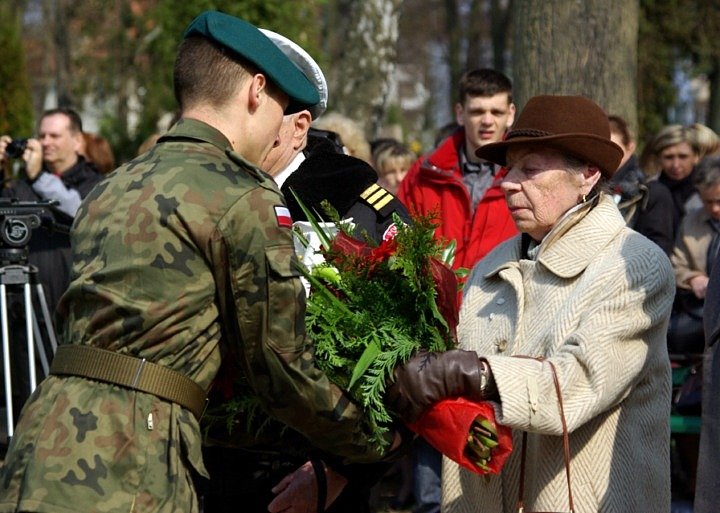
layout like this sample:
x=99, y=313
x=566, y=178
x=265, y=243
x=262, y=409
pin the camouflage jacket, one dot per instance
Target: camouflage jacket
x=183, y=257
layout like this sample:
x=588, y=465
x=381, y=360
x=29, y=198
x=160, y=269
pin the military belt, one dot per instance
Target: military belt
x=129, y=372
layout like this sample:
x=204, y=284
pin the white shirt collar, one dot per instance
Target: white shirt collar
x=290, y=169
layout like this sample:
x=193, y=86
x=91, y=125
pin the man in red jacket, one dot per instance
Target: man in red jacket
x=456, y=184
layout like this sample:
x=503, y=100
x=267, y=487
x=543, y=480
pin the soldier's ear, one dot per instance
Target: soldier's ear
x=256, y=89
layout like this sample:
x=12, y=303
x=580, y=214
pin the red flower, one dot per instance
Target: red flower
x=446, y=285
x=381, y=253
x=348, y=252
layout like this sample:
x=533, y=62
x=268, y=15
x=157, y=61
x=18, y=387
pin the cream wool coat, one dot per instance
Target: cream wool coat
x=689, y=258
x=596, y=302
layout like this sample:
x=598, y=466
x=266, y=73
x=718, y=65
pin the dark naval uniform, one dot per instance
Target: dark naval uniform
x=349, y=185
x=182, y=257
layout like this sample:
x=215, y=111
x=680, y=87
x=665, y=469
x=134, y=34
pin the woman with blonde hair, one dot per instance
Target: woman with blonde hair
x=351, y=133
x=708, y=141
x=678, y=152
x=392, y=162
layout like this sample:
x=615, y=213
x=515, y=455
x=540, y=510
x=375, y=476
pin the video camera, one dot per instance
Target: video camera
x=17, y=221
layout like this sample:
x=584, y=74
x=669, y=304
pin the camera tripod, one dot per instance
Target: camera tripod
x=19, y=279
x=23, y=278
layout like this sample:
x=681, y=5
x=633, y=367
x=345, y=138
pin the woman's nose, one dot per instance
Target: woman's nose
x=510, y=179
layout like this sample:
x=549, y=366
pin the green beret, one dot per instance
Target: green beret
x=247, y=42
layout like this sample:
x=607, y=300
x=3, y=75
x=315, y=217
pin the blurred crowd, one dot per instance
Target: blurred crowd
x=667, y=190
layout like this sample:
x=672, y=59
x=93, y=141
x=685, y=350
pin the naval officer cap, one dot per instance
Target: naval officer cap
x=247, y=42
x=306, y=64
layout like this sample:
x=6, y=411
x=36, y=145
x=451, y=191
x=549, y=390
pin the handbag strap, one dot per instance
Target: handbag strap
x=566, y=443
x=321, y=479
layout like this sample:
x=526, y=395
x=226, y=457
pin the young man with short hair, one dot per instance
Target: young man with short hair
x=464, y=191
x=462, y=188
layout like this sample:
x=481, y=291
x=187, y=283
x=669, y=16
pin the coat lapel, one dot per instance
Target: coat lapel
x=570, y=254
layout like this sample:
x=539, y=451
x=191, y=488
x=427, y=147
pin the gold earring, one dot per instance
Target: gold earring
x=584, y=198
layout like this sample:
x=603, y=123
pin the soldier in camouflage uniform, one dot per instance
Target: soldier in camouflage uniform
x=244, y=467
x=182, y=257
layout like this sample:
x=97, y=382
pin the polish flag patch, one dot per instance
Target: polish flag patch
x=282, y=214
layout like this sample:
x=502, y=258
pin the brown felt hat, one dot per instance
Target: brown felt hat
x=569, y=124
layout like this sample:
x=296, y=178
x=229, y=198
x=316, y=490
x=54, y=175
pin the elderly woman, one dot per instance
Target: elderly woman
x=588, y=295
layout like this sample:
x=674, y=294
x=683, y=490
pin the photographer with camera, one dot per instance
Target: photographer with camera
x=53, y=170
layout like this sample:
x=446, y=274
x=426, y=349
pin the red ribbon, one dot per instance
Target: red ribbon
x=446, y=425
x=343, y=243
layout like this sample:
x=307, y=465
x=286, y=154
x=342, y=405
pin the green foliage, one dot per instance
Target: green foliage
x=242, y=416
x=127, y=50
x=367, y=313
x=295, y=20
x=382, y=310
x=16, y=112
x=656, y=60
x=671, y=31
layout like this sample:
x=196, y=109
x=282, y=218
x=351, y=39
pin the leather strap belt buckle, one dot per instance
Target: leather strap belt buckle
x=129, y=372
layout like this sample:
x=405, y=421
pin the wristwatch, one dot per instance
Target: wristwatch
x=488, y=389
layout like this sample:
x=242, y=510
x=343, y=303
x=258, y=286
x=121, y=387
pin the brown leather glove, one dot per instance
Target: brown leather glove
x=430, y=377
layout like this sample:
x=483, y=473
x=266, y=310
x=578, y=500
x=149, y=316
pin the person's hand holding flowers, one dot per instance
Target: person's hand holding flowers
x=427, y=378
x=442, y=396
x=385, y=316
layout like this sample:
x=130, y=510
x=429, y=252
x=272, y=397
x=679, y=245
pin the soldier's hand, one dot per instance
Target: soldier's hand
x=298, y=491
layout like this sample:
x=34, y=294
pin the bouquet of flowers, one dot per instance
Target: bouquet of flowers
x=371, y=307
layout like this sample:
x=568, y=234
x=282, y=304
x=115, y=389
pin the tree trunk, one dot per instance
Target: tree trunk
x=474, y=35
x=61, y=41
x=499, y=30
x=367, y=63
x=577, y=48
x=713, y=113
x=452, y=29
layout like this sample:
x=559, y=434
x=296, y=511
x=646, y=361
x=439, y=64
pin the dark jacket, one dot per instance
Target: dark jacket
x=646, y=205
x=707, y=492
x=348, y=184
x=684, y=195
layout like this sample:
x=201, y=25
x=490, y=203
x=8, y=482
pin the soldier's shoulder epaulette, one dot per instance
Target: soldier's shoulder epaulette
x=379, y=199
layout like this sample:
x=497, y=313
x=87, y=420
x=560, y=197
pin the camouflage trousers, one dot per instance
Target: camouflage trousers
x=86, y=446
